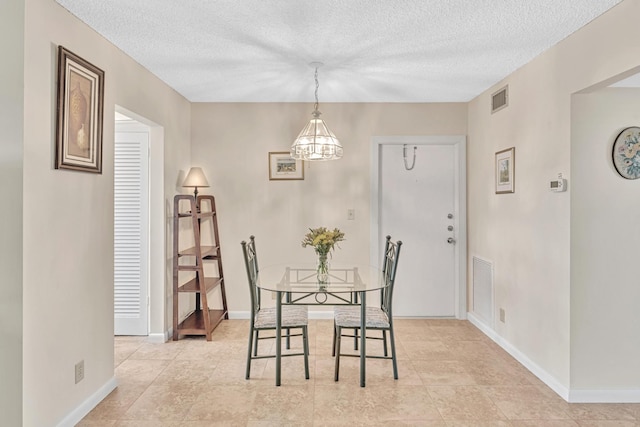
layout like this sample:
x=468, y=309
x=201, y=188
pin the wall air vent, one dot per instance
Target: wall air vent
x=483, y=292
x=500, y=99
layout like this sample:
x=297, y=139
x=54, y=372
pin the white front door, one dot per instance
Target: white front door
x=131, y=229
x=421, y=207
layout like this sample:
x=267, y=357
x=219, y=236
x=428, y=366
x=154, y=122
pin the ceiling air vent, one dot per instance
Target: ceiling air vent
x=500, y=99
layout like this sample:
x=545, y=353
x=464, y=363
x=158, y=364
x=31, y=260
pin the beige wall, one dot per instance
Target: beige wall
x=527, y=234
x=11, y=164
x=605, y=231
x=68, y=215
x=69, y=222
x=231, y=142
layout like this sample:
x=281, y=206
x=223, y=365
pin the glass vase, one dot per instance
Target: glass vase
x=323, y=268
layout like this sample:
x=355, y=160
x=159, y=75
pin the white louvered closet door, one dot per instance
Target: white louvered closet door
x=131, y=229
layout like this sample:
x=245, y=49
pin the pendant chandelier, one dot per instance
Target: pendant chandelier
x=316, y=141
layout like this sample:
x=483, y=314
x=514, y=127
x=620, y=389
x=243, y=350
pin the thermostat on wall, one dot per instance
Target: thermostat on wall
x=558, y=185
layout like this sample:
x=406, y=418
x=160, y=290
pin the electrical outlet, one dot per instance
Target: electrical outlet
x=502, y=315
x=351, y=214
x=79, y=371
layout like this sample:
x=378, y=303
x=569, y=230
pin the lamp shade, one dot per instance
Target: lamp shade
x=195, y=178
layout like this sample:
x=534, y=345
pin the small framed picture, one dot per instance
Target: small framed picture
x=283, y=167
x=79, y=114
x=505, y=170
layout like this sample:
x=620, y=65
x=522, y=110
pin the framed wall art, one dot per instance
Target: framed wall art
x=283, y=167
x=79, y=114
x=626, y=153
x=505, y=171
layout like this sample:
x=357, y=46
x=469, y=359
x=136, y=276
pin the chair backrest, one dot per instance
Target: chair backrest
x=389, y=268
x=251, y=263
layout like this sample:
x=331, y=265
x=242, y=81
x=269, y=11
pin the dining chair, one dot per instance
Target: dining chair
x=378, y=317
x=264, y=319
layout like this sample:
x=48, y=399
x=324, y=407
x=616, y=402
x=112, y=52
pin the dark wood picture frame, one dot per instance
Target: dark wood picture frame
x=79, y=114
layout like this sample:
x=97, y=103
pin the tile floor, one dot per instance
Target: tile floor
x=450, y=375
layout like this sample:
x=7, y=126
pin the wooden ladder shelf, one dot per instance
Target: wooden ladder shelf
x=189, y=275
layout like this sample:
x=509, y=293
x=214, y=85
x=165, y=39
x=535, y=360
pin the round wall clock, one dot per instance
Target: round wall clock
x=626, y=153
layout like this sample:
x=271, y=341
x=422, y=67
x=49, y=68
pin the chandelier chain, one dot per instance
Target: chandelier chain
x=315, y=107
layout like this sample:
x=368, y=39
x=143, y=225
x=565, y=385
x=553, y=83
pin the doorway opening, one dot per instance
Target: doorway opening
x=139, y=240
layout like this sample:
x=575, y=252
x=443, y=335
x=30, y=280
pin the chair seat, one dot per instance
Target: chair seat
x=349, y=317
x=292, y=316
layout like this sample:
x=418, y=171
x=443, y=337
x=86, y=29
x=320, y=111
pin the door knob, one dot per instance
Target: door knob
x=451, y=240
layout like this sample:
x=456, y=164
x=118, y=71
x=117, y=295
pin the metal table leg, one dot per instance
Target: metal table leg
x=278, y=335
x=288, y=340
x=363, y=337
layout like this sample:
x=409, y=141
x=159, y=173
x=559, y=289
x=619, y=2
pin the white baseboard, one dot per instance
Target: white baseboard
x=313, y=314
x=571, y=396
x=536, y=370
x=159, y=338
x=236, y=315
x=91, y=402
x=604, y=396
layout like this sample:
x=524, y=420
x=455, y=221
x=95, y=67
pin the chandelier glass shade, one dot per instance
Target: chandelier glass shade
x=316, y=141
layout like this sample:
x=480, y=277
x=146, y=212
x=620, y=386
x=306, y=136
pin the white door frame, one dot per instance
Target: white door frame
x=158, y=280
x=459, y=142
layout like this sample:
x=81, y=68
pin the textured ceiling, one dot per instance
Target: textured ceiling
x=373, y=51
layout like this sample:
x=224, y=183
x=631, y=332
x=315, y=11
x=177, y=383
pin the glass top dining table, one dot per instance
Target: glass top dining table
x=298, y=283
